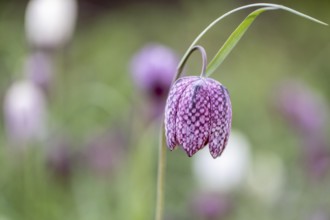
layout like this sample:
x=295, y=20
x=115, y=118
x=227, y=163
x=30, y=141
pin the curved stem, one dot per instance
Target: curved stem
x=162, y=143
x=204, y=60
x=161, y=176
x=275, y=6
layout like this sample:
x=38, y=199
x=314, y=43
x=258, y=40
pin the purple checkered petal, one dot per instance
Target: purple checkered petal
x=171, y=109
x=193, y=117
x=221, y=114
x=198, y=112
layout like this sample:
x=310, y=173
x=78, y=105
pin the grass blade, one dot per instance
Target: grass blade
x=266, y=6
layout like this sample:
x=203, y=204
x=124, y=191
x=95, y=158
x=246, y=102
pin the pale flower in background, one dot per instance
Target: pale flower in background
x=50, y=23
x=266, y=177
x=226, y=173
x=24, y=112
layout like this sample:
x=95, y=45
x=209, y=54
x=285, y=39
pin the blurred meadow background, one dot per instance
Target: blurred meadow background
x=83, y=87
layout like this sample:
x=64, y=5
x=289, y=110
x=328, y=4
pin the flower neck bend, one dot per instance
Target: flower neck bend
x=204, y=61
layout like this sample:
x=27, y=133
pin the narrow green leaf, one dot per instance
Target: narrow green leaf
x=233, y=39
x=268, y=7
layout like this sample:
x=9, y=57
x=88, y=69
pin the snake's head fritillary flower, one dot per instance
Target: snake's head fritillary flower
x=198, y=112
x=153, y=68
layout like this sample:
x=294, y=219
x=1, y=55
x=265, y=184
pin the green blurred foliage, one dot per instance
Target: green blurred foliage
x=93, y=91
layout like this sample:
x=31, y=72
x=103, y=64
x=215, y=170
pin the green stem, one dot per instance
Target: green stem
x=161, y=176
x=162, y=143
x=204, y=60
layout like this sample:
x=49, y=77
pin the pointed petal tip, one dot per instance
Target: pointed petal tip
x=190, y=153
x=172, y=148
x=214, y=156
x=216, y=152
x=170, y=145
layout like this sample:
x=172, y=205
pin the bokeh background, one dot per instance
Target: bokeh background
x=80, y=119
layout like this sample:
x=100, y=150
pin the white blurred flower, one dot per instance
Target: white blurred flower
x=50, y=23
x=266, y=177
x=226, y=172
x=24, y=112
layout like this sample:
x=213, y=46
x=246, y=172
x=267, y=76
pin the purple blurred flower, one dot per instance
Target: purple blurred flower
x=24, y=112
x=153, y=69
x=319, y=215
x=60, y=158
x=306, y=111
x=316, y=157
x=104, y=153
x=210, y=206
x=302, y=107
x=198, y=112
x=39, y=69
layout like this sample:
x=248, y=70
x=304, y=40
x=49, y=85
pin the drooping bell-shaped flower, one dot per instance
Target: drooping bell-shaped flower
x=24, y=112
x=50, y=23
x=198, y=112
